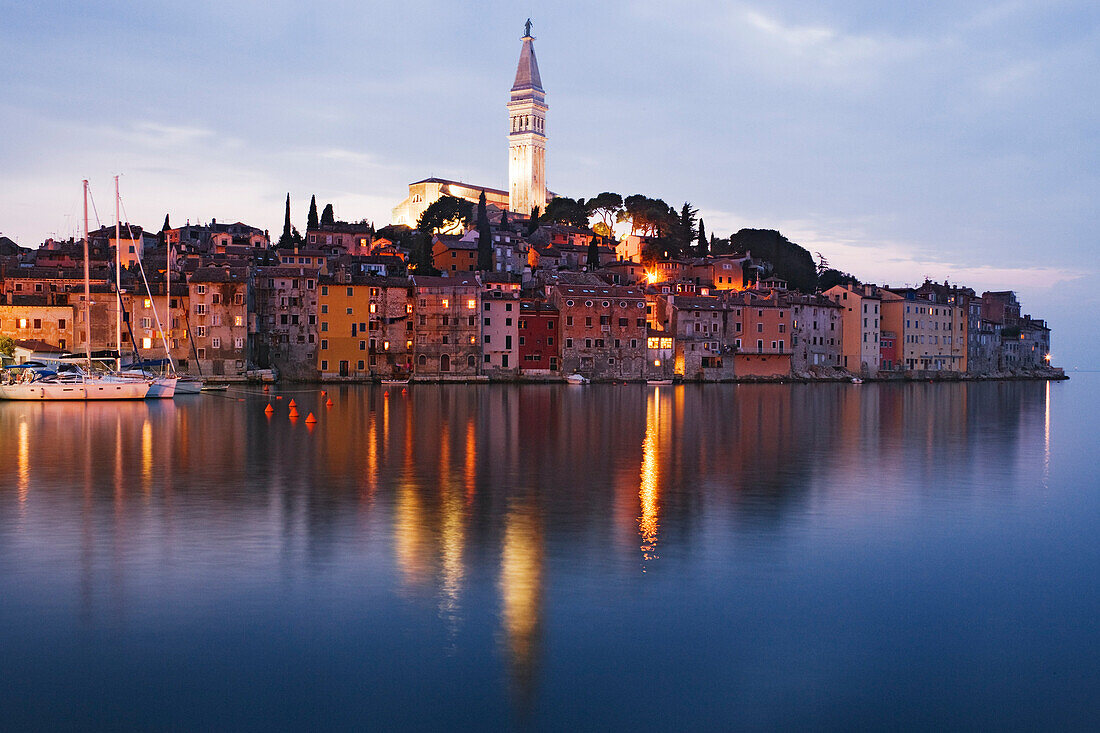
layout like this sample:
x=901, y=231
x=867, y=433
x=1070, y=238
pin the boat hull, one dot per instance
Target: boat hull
x=94, y=389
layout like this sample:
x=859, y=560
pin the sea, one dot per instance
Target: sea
x=555, y=557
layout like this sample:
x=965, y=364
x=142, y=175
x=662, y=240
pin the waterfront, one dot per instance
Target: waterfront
x=560, y=557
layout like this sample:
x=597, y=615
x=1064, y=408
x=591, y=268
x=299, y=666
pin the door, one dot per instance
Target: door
x=445, y=363
x=344, y=369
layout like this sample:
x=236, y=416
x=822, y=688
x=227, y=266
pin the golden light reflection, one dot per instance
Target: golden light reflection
x=410, y=540
x=471, y=461
x=24, y=462
x=521, y=593
x=649, y=490
x=453, y=537
x=147, y=456
x=372, y=455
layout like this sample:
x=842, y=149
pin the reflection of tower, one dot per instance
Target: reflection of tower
x=521, y=593
x=527, y=133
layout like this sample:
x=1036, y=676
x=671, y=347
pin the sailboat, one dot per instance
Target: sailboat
x=163, y=385
x=69, y=381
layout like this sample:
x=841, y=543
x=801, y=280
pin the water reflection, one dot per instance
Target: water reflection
x=466, y=500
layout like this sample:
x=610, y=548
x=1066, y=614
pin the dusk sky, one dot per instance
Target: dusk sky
x=955, y=140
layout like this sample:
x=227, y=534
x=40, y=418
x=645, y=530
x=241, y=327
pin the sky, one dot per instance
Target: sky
x=955, y=140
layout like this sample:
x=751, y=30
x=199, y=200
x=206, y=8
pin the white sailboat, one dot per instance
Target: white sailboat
x=69, y=381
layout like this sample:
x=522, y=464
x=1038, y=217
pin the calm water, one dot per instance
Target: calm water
x=555, y=557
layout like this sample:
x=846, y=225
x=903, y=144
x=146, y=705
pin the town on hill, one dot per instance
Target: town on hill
x=470, y=282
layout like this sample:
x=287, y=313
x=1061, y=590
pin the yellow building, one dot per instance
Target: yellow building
x=365, y=329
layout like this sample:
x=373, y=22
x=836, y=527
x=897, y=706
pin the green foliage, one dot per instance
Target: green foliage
x=564, y=210
x=701, y=244
x=285, y=238
x=484, y=236
x=533, y=224
x=446, y=214
x=328, y=216
x=422, y=254
x=607, y=207
x=7, y=346
x=789, y=261
x=312, y=222
x=829, y=278
x=166, y=226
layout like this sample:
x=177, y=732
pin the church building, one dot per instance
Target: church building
x=526, y=153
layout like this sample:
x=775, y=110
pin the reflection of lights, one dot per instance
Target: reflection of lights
x=147, y=454
x=471, y=461
x=24, y=461
x=453, y=537
x=521, y=589
x=409, y=540
x=648, y=491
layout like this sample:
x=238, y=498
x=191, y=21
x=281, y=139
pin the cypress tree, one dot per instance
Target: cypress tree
x=284, y=240
x=166, y=226
x=311, y=222
x=534, y=223
x=702, y=248
x=504, y=219
x=328, y=216
x=593, y=255
x=484, y=236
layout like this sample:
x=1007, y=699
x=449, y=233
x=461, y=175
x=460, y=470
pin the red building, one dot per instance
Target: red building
x=888, y=350
x=539, y=336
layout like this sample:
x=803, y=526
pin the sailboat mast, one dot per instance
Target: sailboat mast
x=118, y=281
x=87, y=286
x=167, y=333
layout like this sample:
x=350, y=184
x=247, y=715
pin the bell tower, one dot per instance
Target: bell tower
x=527, y=135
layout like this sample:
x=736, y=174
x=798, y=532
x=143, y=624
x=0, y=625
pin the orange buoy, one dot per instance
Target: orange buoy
x=278, y=397
x=404, y=390
x=293, y=412
x=386, y=393
x=310, y=418
x=266, y=389
x=269, y=409
x=323, y=393
x=328, y=403
x=292, y=403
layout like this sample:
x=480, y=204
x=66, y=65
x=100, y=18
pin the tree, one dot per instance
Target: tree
x=788, y=261
x=311, y=222
x=607, y=207
x=830, y=278
x=7, y=346
x=484, y=236
x=564, y=210
x=685, y=232
x=284, y=239
x=446, y=215
x=166, y=226
x=593, y=254
x=422, y=254
x=327, y=216
x=533, y=224
x=701, y=246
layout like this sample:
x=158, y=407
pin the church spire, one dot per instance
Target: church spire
x=527, y=135
x=527, y=70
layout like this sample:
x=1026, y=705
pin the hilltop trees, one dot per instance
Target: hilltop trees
x=484, y=236
x=445, y=215
x=328, y=216
x=312, y=222
x=290, y=237
x=606, y=207
x=789, y=261
x=701, y=245
x=564, y=210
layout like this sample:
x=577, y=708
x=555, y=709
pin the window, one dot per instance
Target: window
x=200, y=331
x=238, y=320
x=238, y=343
x=324, y=344
x=569, y=343
x=446, y=303
x=216, y=342
x=324, y=326
x=200, y=289
x=200, y=309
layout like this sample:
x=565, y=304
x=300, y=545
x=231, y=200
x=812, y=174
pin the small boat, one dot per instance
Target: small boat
x=857, y=380
x=658, y=382
x=71, y=383
x=395, y=381
x=188, y=385
x=214, y=387
x=575, y=378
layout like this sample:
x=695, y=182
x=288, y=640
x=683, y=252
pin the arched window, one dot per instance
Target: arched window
x=445, y=363
x=471, y=362
x=422, y=360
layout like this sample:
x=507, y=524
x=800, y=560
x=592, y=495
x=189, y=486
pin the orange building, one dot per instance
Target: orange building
x=365, y=328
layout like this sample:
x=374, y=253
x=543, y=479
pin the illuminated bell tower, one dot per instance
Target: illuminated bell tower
x=527, y=136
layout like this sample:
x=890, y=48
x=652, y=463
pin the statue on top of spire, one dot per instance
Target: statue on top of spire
x=527, y=29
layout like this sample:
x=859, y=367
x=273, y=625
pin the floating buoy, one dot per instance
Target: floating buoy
x=266, y=388
x=293, y=412
x=269, y=409
x=323, y=393
x=328, y=403
x=292, y=403
x=404, y=390
x=279, y=397
x=386, y=393
x=310, y=418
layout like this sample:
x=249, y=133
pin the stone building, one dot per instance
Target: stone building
x=603, y=330
x=500, y=311
x=701, y=334
x=219, y=318
x=285, y=303
x=539, y=338
x=29, y=321
x=365, y=328
x=817, y=325
x=860, y=351
x=446, y=327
